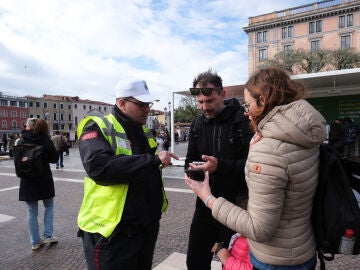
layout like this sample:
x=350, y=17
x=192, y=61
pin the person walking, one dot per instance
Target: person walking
x=219, y=137
x=123, y=191
x=60, y=143
x=42, y=188
x=281, y=172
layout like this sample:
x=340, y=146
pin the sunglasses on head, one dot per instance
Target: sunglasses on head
x=206, y=91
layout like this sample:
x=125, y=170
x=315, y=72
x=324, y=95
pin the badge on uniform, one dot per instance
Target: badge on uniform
x=123, y=143
x=90, y=135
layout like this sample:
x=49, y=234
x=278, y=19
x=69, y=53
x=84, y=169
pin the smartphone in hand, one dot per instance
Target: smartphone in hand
x=195, y=174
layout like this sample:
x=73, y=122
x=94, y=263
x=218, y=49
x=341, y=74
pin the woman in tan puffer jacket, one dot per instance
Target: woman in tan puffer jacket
x=281, y=173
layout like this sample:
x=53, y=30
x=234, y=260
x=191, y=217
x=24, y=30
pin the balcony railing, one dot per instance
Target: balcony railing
x=310, y=7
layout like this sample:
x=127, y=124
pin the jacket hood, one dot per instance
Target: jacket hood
x=297, y=123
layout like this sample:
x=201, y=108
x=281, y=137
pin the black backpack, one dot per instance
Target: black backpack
x=28, y=160
x=335, y=207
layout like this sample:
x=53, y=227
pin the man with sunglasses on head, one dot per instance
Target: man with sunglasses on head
x=220, y=137
x=123, y=190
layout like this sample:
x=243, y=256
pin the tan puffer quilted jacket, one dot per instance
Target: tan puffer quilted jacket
x=281, y=173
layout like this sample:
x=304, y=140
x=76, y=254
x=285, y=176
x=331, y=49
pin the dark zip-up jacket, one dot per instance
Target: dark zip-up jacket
x=139, y=170
x=227, y=138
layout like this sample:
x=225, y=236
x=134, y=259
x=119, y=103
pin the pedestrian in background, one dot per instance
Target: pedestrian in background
x=281, y=173
x=124, y=193
x=220, y=137
x=33, y=190
x=60, y=145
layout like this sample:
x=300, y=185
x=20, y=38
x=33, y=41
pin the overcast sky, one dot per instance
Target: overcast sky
x=84, y=47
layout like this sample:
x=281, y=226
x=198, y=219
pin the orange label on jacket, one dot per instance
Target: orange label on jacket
x=257, y=168
x=90, y=135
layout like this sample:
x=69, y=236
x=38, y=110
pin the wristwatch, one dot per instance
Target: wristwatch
x=219, y=247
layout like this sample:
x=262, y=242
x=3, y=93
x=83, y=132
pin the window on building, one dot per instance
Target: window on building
x=345, y=42
x=314, y=45
x=55, y=117
x=315, y=27
x=349, y=20
x=13, y=103
x=62, y=117
x=45, y=104
x=90, y=107
x=3, y=102
x=54, y=105
x=290, y=31
x=76, y=121
x=37, y=104
x=75, y=106
x=311, y=27
x=105, y=109
x=265, y=36
x=31, y=104
x=4, y=124
x=288, y=47
x=23, y=114
x=262, y=36
x=38, y=116
x=31, y=116
x=99, y=108
x=262, y=55
x=69, y=106
x=342, y=21
x=318, y=26
x=69, y=117
x=14, y=114
x=13, y=124
x=84, y=107
x=287, y=32
x=258, y=37
x=61, y=106
x=22, y=104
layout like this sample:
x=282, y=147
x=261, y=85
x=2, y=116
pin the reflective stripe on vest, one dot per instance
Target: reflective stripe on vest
x=102, y=206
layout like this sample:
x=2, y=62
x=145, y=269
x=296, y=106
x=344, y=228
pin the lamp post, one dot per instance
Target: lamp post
x=169, y=118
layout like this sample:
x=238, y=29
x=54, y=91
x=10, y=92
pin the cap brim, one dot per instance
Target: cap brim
x=145, y=98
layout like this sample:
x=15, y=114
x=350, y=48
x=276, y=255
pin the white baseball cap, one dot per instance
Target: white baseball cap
x=131, y=87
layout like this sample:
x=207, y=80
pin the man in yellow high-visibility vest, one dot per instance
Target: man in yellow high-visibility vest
x=123, y=190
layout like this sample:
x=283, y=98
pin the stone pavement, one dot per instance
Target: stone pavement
x=67, y=254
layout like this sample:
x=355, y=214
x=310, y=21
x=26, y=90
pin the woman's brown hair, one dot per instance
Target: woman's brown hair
x=42, y=128
x=276, y=88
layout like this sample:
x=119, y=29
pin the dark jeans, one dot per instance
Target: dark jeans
x=130, y=252
x=60, y=160
x=204, y=232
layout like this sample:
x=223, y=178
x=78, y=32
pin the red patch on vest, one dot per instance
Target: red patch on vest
x=90, y=135
x=257, y=168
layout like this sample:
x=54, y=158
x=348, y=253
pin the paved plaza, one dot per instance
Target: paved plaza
x=171, y=246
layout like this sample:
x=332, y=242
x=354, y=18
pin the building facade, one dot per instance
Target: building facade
x=13, y=114
x=331, y=24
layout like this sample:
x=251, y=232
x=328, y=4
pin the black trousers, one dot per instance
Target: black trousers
x=204, y=232
x=128, y=252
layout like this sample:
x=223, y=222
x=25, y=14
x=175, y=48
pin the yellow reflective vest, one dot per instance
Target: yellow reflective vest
x=102, y=206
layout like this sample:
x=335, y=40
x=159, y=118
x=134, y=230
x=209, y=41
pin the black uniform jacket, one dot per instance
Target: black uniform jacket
x=43, y=187
x=139, y=170
x=227, y=138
